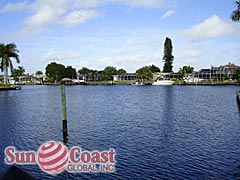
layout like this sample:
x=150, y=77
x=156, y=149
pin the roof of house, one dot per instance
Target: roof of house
x=230, y=66
x=66, y=79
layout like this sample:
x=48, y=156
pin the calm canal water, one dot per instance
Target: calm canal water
x=176, y=132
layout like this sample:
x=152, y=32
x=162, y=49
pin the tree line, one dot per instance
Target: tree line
x=56, y=72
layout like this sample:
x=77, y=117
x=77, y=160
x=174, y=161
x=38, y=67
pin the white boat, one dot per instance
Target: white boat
x=163, y=82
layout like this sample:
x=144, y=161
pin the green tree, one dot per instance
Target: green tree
x=168, y=57
x=154, y=68
x=144, y=73
x=182, y=72
x=38, y=73
x=188, y=69
x=18, y=72
x=108, y=72
x=70, y=72
x=121, y=71
x=7, y=52
x=235, y=16
x=84, y=71
x=55, y=71
x=185, y=70
x=94, y=74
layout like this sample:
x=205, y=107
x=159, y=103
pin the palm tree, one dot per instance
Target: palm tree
x=38, y=73
x=235, y=16
x=7, y=52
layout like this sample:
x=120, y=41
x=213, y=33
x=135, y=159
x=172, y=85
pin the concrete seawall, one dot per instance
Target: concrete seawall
x=10, y=88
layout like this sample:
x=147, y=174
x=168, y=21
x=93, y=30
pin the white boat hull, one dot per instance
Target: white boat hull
x=164, y=83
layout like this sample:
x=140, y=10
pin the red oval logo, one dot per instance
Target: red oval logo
x=53, y=157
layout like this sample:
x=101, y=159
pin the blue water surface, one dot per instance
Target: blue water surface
x=173, y=132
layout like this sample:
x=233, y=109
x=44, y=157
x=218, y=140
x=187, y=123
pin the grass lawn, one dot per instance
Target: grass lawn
x=107, y=82
x=98, y=82
x=5, y=85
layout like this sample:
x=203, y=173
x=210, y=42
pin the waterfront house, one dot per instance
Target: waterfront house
x=30, y=79
x=79, y=80
x=93, y=76
x=11, y=80
x=217, y=73
x=125, y=76
x=172, y=75
x=230, y=70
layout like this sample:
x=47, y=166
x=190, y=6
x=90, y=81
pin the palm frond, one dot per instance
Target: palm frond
x=235, y=16
x=15, y=56
x=237, y=3
x=7, y=52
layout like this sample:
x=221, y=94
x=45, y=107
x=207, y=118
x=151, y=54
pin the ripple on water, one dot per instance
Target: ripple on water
x=178, y=132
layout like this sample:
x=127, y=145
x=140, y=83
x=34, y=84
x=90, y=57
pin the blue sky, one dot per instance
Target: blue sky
x=126, y=34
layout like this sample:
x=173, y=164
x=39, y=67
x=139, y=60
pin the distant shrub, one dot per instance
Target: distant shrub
x=238, y=81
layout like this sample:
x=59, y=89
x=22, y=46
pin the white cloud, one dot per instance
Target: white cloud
x=131, y=42
x=189, y=56
x=86, y=4
x=167, y=14
x=54, y=55
x=127, y=62
x=50, y=12
x=43, y=17
x=79, y=17
x=82, y=4
x=28, y=30
x=14, y=7
x=147, y=3
x=210, y=28
x=58, y=5
x=46, y=13
x=130, y=3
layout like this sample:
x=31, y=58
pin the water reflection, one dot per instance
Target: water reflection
x=168, y=114
x=65, y=138
x=238, y=103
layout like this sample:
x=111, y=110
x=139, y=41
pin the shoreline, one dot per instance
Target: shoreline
x=114, y=83
x=11, y=87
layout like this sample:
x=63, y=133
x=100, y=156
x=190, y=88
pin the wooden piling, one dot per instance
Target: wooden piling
x=64, y=109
